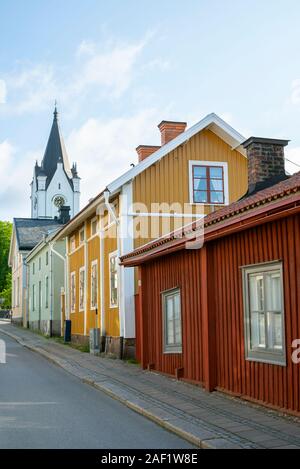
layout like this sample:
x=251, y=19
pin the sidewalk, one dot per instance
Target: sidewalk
x=208, y=420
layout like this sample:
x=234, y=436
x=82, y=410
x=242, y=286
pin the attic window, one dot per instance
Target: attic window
x=208, y=183
x=59, y=185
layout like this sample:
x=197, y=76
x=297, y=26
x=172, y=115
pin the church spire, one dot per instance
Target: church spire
x=55, y=151
x=55, y=113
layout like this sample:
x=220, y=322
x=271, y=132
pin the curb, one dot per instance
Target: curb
x=199, y=442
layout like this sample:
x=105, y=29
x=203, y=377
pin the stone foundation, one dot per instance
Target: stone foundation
x=80, y=339
x=120, y=347
x=17, y=321
x=44, y=326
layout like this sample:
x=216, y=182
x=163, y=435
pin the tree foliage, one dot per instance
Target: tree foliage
x=5, y=271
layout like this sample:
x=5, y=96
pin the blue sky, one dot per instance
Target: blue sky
x=118, y=68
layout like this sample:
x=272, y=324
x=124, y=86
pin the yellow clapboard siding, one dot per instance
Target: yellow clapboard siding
x=168, y=180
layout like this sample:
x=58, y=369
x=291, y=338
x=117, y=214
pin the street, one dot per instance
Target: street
x=42, y=406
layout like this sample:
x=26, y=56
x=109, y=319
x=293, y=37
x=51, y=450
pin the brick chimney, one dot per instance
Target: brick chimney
x=170, y=130
x=146, y=150
x=265, y=162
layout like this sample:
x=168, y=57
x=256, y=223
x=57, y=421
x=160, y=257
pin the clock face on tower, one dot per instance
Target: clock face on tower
x=59, y=201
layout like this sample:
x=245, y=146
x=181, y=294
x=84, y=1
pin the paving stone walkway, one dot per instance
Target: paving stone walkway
x=208, y=420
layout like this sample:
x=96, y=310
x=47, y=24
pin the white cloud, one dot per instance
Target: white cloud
x=2, y=91
x=112, y=70
x=15, y=176
x=295, y=92
x=86, y=48
x=292, y=163
x=105, y=72
x=104, y=149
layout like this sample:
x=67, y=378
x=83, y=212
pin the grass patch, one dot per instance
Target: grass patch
x=132, y=361
x=85, y=348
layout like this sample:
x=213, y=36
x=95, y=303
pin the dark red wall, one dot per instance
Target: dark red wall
x=274, y=385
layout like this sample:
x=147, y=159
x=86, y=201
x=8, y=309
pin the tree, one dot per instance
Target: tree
x=6, y=293
x=5, y=271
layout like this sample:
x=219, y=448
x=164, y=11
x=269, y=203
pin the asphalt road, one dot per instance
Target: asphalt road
x=42, y=406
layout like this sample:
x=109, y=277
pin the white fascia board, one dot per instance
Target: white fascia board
x=213, y=121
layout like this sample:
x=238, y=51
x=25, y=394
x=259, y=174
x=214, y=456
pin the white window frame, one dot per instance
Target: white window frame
x=72, y=243
x=81, y=307
x=33, y=298
x=46, y=291
x=111, y=305
x=224, y=165
x=81, y=241
x=47, y=258
x=95, y=219
x=167, y=348
x=270, y=356
x=94, y=307
x=73, y=306
x=18, y=291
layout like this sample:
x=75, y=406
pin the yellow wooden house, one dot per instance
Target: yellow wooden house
x=192, y=173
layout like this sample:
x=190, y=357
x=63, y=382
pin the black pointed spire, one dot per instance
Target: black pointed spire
x=55, y=113
x=55, y=151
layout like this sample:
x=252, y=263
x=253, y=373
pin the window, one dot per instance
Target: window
x=40, y=263
x=33, y=297
x=113, y=279
x=73, y=292
x=81, y=235
x=94, y=285
x=14, y=293
x=33, y=268
x=18, y=291
x=46, y=291
x=73, y=243
x=208, y=183
x=81, y=288
x=47, y=258
x=94, y=226
x=264, y=315
x=172, y=321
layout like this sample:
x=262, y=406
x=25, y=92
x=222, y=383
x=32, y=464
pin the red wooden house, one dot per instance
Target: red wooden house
x=227, y=315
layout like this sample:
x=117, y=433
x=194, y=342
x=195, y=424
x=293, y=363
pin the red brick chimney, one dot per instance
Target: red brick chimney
x=170, y=130
x=265, y=162
x=146, y=150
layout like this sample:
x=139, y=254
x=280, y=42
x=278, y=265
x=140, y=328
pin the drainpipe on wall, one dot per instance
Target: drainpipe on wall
x=111, y=210
x=102, y=301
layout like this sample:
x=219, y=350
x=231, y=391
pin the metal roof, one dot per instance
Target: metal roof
x=30, y=231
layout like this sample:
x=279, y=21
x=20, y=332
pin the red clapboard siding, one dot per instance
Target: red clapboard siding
x=213, y=341
x=157, y=277
x=271, y=384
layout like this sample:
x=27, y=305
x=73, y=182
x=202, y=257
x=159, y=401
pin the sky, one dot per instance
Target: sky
x=119, y=67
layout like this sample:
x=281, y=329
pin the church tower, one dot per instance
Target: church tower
x=54, y=183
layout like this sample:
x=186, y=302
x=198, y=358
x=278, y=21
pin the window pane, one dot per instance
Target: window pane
x=200, y=196
x=199, y=171
x=273, y=291
x=216, y=185
x=216, y=197
x=275, y=331
x=200, y=184
x=258, y=339
x=216, y=172
x=256, y=292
